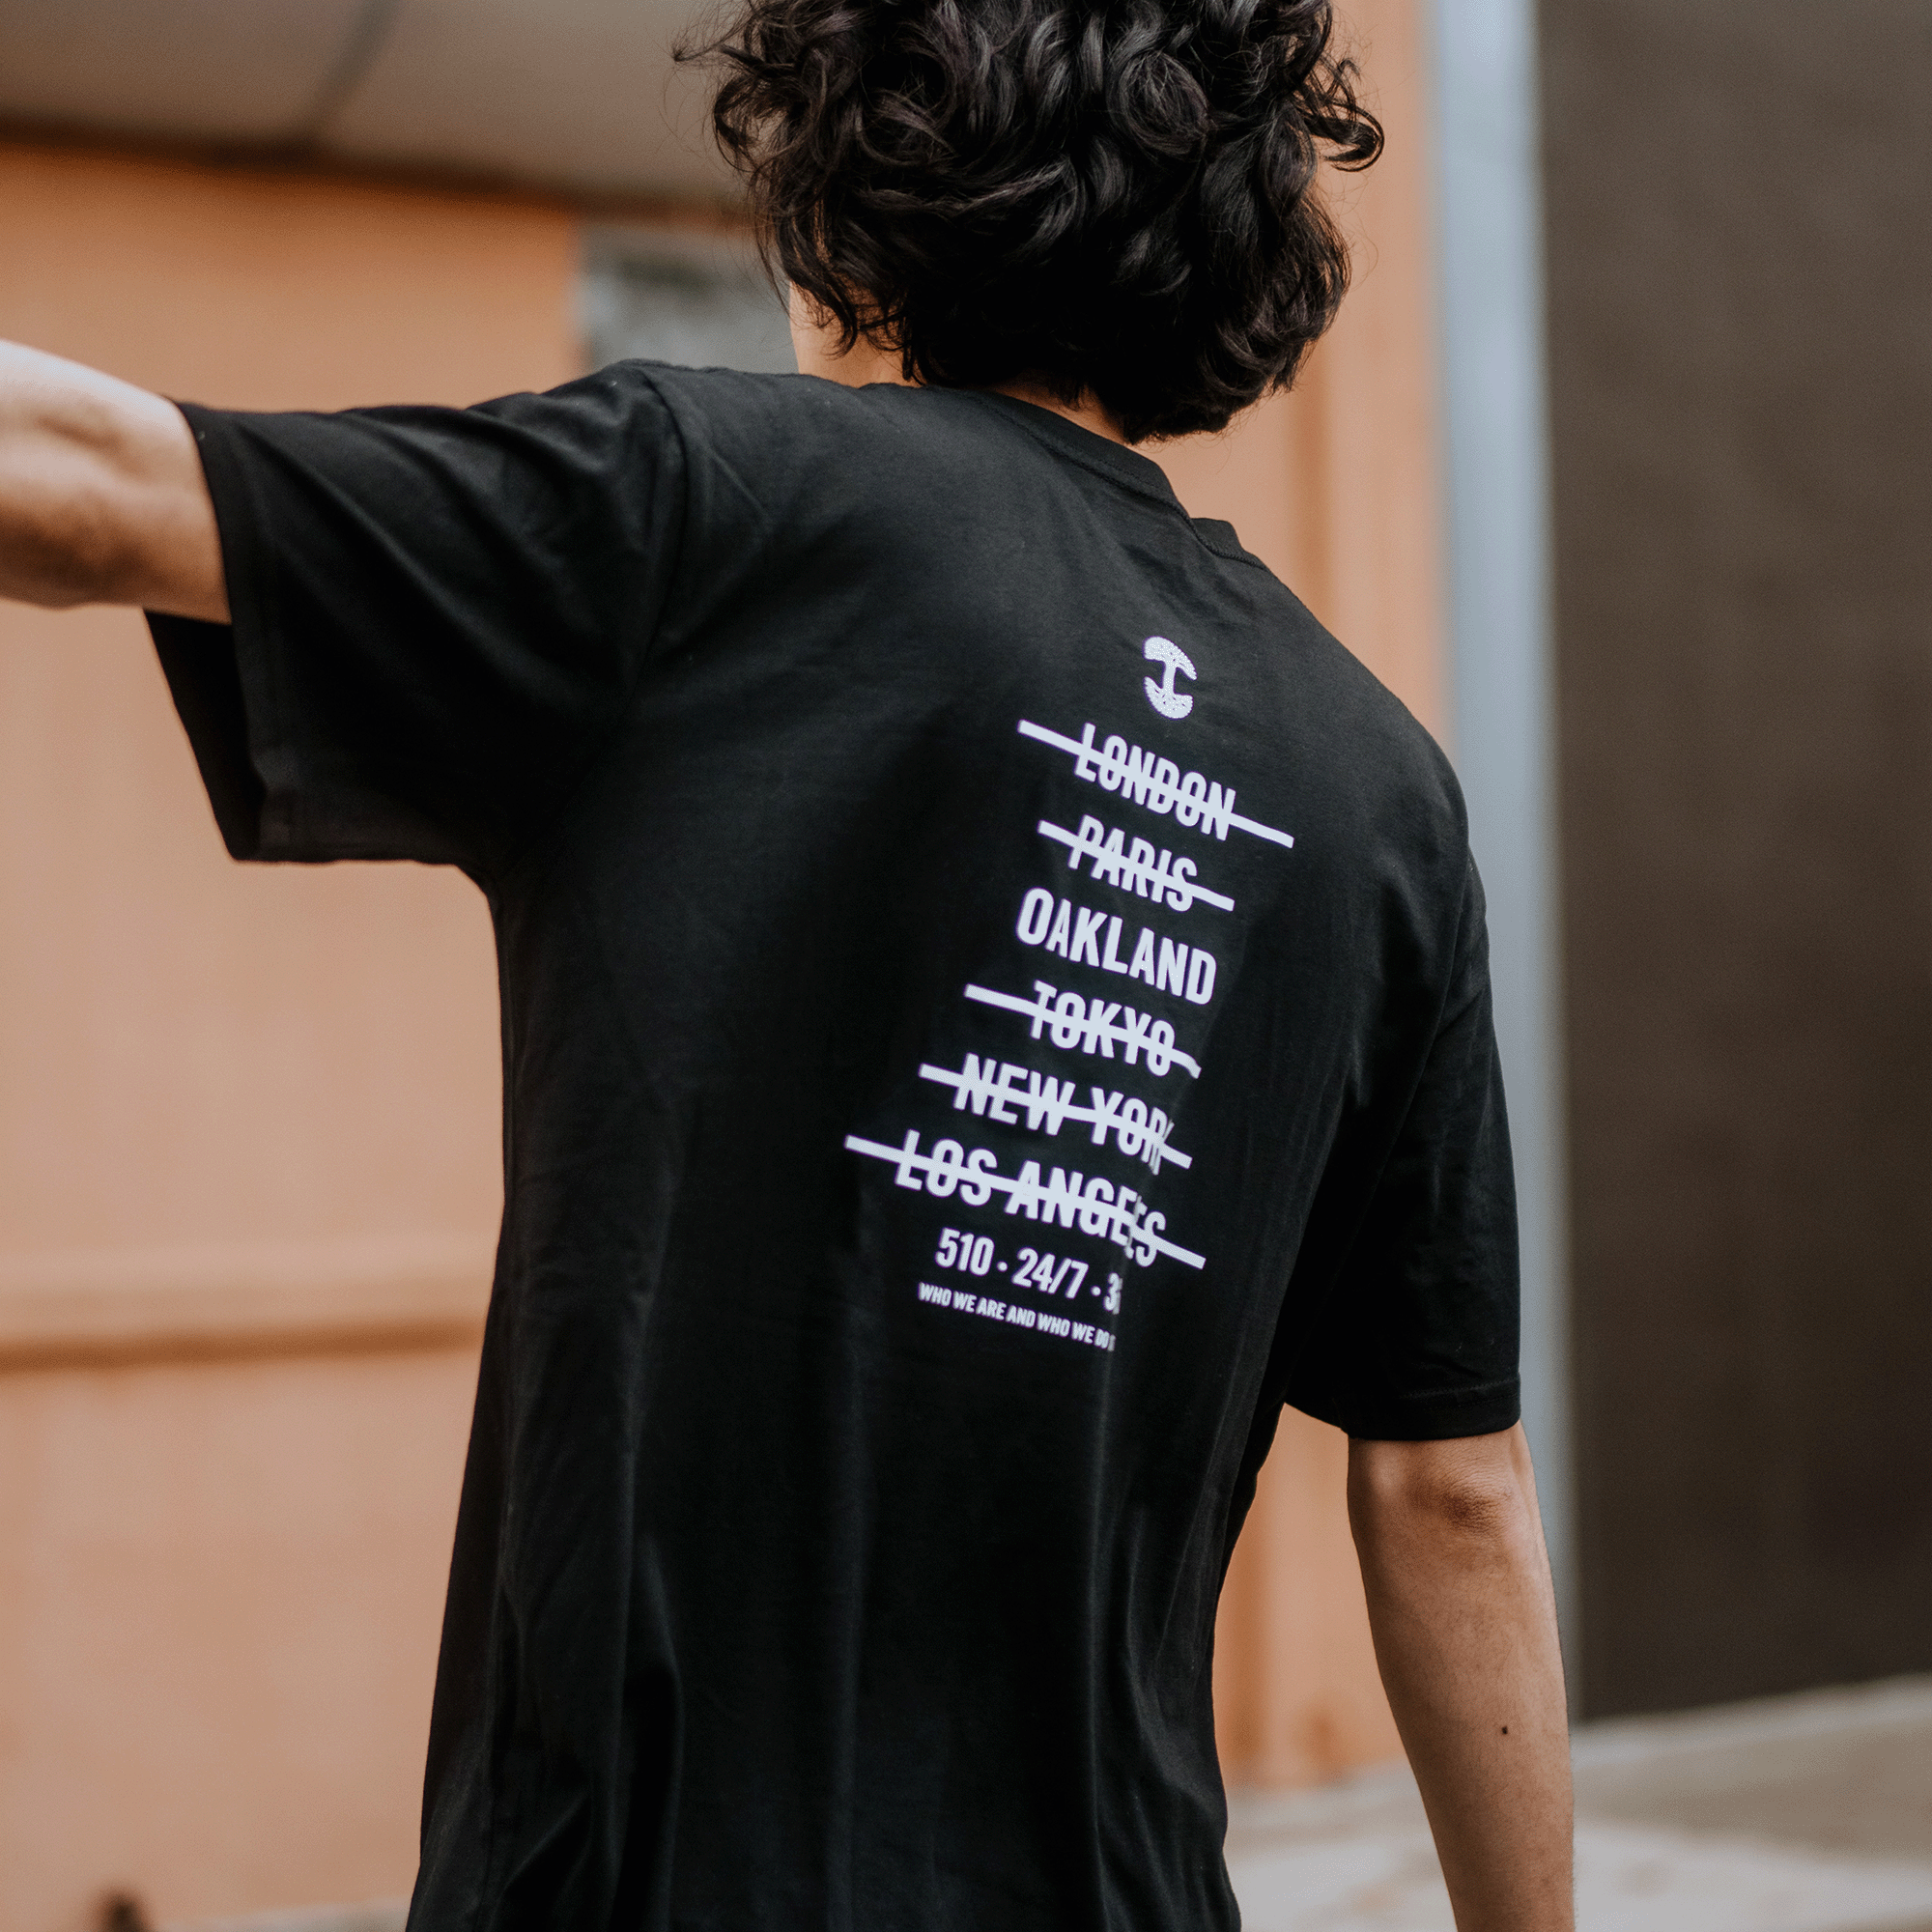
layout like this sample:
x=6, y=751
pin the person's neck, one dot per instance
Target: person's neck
x=1087, y=413
x=865, y=362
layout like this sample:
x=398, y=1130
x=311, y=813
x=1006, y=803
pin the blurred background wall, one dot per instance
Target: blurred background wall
x=1741, y=402
x=248, y=1121
x=247, y=1116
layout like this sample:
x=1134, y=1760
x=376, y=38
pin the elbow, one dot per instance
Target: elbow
x=1481, y=1507
x=1474, y=1490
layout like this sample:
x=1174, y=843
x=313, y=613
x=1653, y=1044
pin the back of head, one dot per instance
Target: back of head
x=1114, y=198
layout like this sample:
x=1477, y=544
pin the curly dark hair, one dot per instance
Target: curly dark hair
x=1114, y=197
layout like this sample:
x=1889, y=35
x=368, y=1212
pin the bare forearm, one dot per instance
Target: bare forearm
x=1465, y=1624
x=102, y=495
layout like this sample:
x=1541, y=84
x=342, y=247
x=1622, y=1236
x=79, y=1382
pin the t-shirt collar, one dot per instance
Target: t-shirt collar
x=1087, y=447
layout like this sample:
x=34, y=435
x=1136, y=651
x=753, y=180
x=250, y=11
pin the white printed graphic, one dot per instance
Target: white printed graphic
x=1012, y=1096
x=1156, y=782
x=1136, y=869
x=1084, y=937
x=1094, y=1026
x=967, y=1251
x=971, y=1253
x=1092, y=1201
x=1017, y=1313
x=1163, y=696
x=994, y=1090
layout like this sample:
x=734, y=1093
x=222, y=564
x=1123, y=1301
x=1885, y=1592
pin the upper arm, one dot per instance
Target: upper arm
x=168, y=556
x=103, y=499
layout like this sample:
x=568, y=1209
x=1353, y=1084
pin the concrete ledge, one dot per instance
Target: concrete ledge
x=1803, y=1813
x=91, y=1308
x=383, y=1915
x=1893, y=1703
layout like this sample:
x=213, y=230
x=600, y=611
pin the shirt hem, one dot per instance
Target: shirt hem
x=1438, y=1416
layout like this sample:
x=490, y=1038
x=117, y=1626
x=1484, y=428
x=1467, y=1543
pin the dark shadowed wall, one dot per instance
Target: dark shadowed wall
x=1739, y=223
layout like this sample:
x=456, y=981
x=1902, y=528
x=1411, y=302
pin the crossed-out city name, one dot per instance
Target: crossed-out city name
x=1098, y=1205
x=1138, y=868
x=997, y=1090
x=1093, y=1026
x=1158, y=783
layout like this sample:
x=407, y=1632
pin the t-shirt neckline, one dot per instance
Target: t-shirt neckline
x=1086, y=447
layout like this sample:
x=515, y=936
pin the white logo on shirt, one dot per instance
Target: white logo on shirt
x=1163, y=696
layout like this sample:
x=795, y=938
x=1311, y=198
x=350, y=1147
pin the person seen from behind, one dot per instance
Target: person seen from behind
x=995, y=1004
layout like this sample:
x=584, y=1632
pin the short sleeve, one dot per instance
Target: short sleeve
x=437, y=616
x=1417, y=1338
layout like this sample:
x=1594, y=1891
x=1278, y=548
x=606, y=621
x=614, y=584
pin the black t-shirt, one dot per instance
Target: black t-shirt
x=994, y=1003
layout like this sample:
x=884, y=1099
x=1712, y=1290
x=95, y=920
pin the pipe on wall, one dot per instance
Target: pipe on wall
x=1497, y=440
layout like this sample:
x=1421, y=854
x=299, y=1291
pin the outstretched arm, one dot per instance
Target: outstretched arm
x=102, y=495
x=1465, y=1624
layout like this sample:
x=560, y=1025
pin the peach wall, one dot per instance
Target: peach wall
x=219, y=1591
x=218, y=1052
x=249, y=1140
x=1335, y=487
